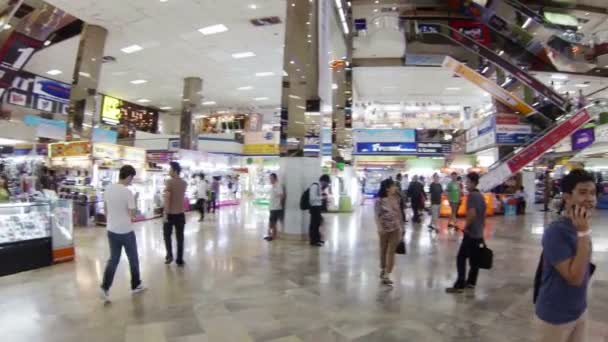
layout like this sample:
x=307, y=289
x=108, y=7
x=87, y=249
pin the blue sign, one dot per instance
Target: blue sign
x=429, y=28
x=384, y=135
x=386, y=148
x=101, y=135
x=583, y=138
x=486, y=126
x=513, y=138
x=361, y=24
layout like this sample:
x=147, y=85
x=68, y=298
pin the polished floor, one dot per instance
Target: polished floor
x=238, y=288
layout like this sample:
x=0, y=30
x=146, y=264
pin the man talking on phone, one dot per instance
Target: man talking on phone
x=561, y=305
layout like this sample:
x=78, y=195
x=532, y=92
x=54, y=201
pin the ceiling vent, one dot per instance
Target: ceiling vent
x=266, y=21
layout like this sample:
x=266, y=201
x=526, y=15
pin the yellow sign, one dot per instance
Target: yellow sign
x=111, y=110
x=488, y=85
x=256, y=149
x=70, y=149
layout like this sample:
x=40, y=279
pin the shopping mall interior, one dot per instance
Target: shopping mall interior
x=361, y=91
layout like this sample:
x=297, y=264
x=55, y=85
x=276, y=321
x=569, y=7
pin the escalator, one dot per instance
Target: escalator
x=537, y=35
x=524, y=155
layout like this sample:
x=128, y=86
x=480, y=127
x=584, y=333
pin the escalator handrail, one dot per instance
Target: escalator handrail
x=544, y=132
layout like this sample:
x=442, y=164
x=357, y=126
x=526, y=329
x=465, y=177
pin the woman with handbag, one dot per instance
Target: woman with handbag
x=389, y=221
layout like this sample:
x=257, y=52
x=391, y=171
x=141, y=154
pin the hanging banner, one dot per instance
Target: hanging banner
x=488, y=85
x=540, y=146
x=583, y=138
x=101, y=135
x=70, y=149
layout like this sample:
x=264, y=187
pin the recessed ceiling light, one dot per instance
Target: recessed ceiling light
x=166, y=108
x=47, y=42
x=261, y=98
x=581, y=85
x=264, y=74
x=376, y=10
x=559, y=77
x=239, y=55
x=209, y=103
x=434, y=108
x=412, y=108
x=139, y=81
x=452, y=88
x=7, y=27
x=54, y=72
x=253, y=6
x=213, y=29
x=245, y=88
x=131, y=49
x=164, y=0
x=143, y=100
x=452, y=108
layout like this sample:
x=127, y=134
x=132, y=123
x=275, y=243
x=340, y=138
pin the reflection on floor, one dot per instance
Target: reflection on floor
x=237, y=288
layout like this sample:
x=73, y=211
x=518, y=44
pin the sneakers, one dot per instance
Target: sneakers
x=268, y=238
x=470, y=287
x=386, y=280
x=180, y=263
x=454, y=290
x=139, y=289
x=168, y=260
x=104, y=296
x=382, y=274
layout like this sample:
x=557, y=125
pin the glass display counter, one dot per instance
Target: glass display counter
x=25, y=237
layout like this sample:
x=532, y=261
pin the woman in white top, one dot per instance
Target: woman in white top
x=202, y=188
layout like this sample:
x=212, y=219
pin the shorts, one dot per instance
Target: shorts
x=276, y=216
x=435, y=211
x=454, y=207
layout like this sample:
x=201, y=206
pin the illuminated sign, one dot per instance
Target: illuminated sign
x=111, y=110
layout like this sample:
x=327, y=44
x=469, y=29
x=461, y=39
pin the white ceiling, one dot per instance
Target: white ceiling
x=174, y=49
x=411, y=84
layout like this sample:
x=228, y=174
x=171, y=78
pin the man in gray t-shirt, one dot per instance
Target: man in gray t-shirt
x=473, y=237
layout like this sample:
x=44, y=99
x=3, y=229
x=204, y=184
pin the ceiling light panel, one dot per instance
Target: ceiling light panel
x=245, y=88
x=139, y=81
x=209, y=103
x=131, y=49
x=239, y=55
x=213, y=29
x=54, y=72
x=143, y=100
x=261, y=98
x=264, y=74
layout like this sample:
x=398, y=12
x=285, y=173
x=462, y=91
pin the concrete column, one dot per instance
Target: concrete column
x=84, y=100
x=339, y=100
x=300, y=94
x=191, y=102
x=300, y=83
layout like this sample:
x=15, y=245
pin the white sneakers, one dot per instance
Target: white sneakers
x=139, y=289
x=105, y=295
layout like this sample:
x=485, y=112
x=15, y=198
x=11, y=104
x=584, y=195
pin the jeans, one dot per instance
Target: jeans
x=179, y=221
x=468, y=249
x=117, y=242
x=200, y=204
x=315, y=223
x=212, y=203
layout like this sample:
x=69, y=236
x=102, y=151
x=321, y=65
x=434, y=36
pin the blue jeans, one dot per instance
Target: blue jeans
x=117, y=243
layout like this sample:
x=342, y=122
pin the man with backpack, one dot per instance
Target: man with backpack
x=312, y=200
x=565, y=267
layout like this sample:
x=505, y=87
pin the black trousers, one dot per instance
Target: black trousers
x=468, y=249
x=416, y=207
x=315, y=222
x=179, y=222
x=202, y=207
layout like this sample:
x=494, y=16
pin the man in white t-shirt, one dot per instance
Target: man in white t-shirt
x=120, y=211
x=202, y=187
x=277, y=207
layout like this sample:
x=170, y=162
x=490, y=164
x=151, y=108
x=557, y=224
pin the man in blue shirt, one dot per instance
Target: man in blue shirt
x=562, y=299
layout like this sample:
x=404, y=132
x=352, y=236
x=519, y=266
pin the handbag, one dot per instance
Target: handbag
x=401, y=249
x=485, y=257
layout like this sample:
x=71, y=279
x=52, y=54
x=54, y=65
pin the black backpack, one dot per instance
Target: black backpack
x=305, y=199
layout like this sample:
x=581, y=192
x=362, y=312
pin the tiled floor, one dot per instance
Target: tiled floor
x=237, y=287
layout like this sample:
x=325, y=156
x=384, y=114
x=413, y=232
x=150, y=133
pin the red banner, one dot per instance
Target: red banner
x=542, y=145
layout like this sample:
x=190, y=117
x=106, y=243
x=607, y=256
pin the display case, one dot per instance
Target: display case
x=25, y=237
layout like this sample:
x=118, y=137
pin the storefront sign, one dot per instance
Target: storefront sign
x=540, y=146
x=254, y=138
x=159, y=157
x=133, y=154
x=486, y=126
x=384, y=135
x=14, y=55
x=106, y=151
x=261, y=149
x=472, y=29
x=513, y=134
x=386, y=148
x=101, y=135
x=507, y=119
x=70, y=149
x=46, y=128
x=481, y=142
x=434, y=149
x=488, y=85
x=36, y=92
x=429, y=28
x=583, y=138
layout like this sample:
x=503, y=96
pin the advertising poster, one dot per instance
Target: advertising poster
x=583, y=138
x=17, y=99
x=513, y=134
x=51, y=89
x=472, y=29
x=70, y=149
x=101, y=135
